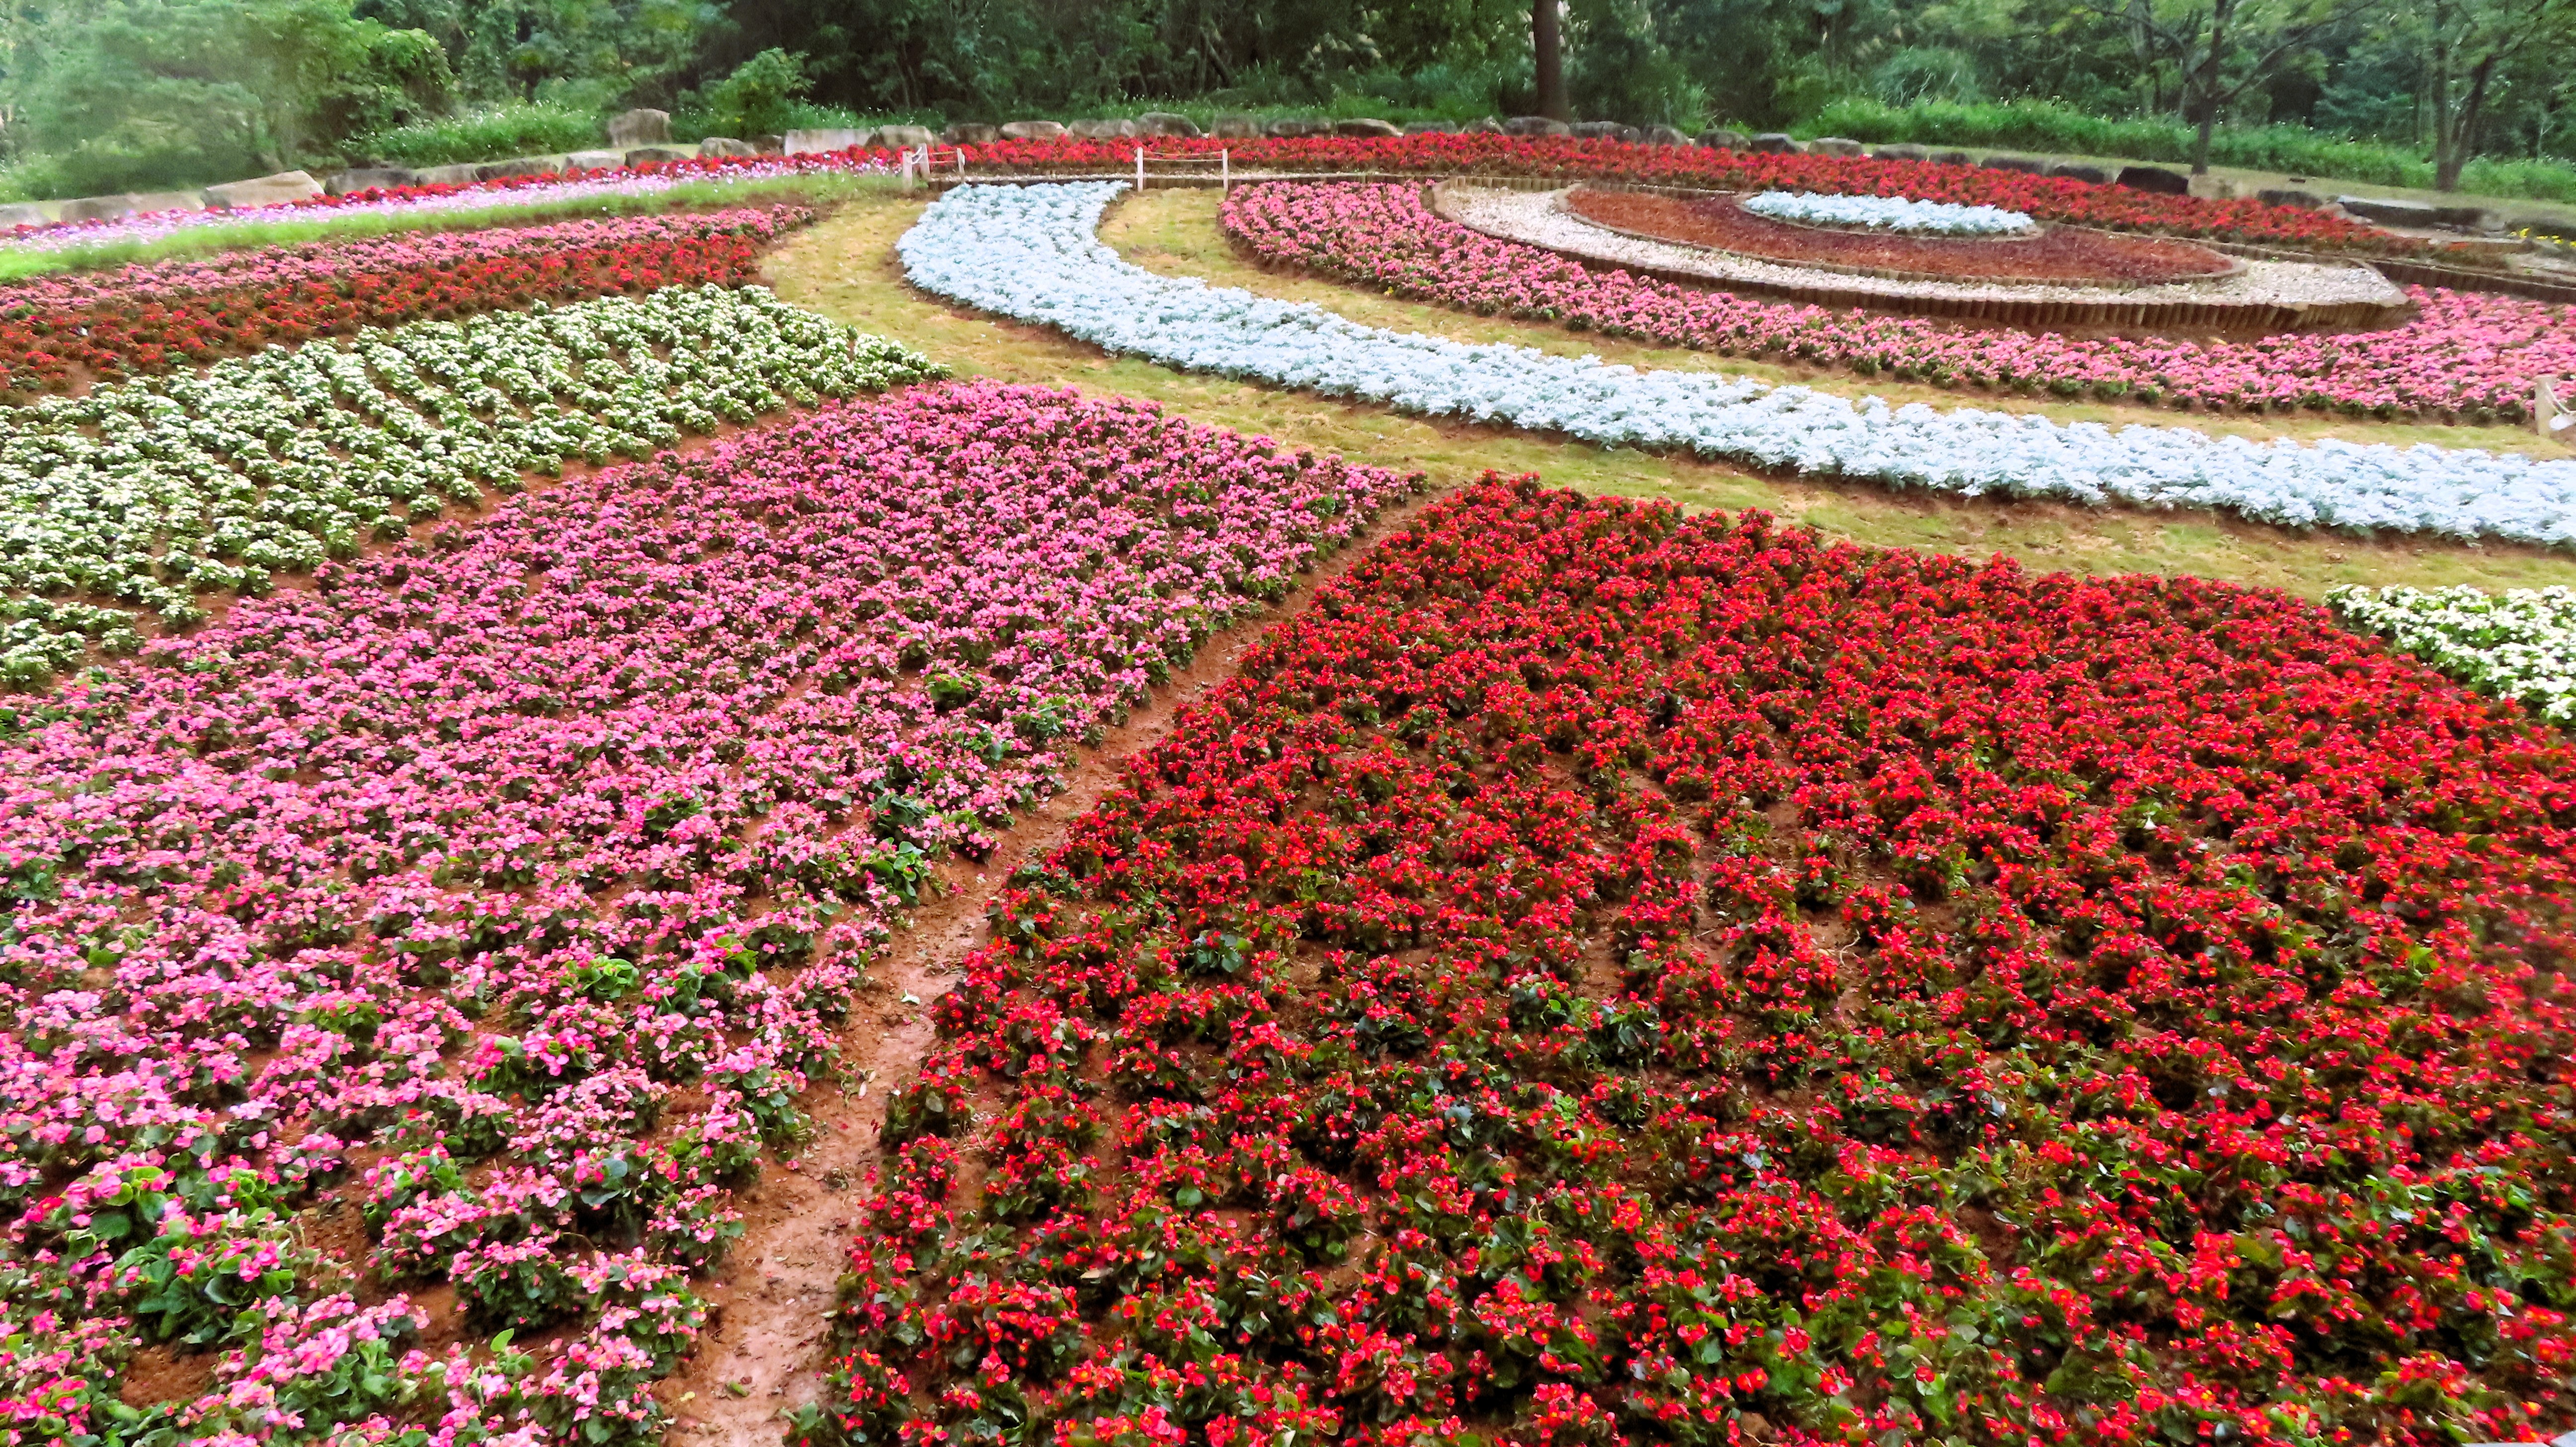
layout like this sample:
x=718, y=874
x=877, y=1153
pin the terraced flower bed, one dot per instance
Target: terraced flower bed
x=510, y=885
x=59, y=331
x=1594, y=975
x=146, y=494
x=2048, y=198
x=1032, y=253
x=2469, y=355
x=1606, y=976
x=1702, y=168
x=2056, y=254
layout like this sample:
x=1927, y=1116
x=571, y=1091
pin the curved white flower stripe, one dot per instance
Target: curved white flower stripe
x=1888, y=213
x=152, y=492
x=1031, y=253
x=2519, y=644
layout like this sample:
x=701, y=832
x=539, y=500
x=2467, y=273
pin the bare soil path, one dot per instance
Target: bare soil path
x=765, y=1351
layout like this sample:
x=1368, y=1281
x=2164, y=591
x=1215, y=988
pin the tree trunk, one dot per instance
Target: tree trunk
x=2457, y=137
x=1548, y=49
x=2211, y=70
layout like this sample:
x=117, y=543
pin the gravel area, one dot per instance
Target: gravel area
x=1538, y=218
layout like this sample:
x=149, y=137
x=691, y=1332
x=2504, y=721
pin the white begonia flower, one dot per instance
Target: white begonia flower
x=2519, y=644
x=153, y=491
x=1889, y=213
x=1031, y=253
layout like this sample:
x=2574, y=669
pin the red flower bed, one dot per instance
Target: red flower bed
x=146, y=318
x=2055, y=255
x=1600, y=975
x=2046, y=197
x=2049, y=198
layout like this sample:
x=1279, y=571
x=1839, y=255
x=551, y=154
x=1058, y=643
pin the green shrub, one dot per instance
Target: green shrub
x=486, y=135
x=760, y=98
x=2545, y=180
x=2034, y=125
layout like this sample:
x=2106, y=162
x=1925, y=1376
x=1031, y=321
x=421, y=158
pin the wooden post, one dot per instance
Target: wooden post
x=1224, y=170
x=2549, y=416
x=907, y=168
x=1140, y=168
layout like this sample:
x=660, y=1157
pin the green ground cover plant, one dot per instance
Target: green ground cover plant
x=521, y=129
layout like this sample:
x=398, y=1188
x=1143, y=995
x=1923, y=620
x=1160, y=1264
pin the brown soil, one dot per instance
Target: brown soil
x=2058, y=254
x=160, y=1374
x=765, y=1349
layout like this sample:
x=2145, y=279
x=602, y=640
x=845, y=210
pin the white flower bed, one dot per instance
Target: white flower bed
x=1030, y=252
x=153, y=491
x=1888, y=213
x=2519, y=644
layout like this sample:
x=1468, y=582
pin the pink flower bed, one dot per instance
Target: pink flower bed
x=510, y=886
x=2467, y=354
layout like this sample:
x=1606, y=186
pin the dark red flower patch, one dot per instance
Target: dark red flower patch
x=1605, y=976
x=147, y=318
x=2058, y=254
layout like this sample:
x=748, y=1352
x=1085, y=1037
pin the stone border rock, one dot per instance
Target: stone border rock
x=2267, y=297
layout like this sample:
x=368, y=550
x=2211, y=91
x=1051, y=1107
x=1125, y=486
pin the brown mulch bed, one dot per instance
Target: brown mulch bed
x=2058, y=254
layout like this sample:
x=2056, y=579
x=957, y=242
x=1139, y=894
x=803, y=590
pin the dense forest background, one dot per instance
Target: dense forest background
x=99, y=95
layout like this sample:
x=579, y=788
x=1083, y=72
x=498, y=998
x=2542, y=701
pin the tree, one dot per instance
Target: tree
x=758, y=98
x=136, y=94
x=1547, y=48
x=2225, y=48
x=2468, y=47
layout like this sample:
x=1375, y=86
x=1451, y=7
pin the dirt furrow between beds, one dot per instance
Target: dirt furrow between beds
x=773, y=1297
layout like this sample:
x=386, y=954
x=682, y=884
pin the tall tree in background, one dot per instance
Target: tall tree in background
x=140, y=94
x=2469, y=46
x=1547, y=46
x=2226, y=48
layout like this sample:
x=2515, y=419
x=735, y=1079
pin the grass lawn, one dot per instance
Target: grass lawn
x=846, y=268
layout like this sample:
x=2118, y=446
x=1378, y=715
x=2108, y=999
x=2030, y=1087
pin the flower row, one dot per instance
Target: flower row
x=509, y=884
x=2048, y=198
x=2517, y=644
x=1605, y=976
x=1031, y=253
x=2466, y=352
x=147, y=318
x=1888, y=213
x=150, y=492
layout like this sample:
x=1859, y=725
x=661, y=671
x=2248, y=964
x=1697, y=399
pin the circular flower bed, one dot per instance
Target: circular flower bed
x=2054, y=255
x=1889, y=213
x=2467, y=355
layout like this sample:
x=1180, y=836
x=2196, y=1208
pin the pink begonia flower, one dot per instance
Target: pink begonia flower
x=491, y=842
